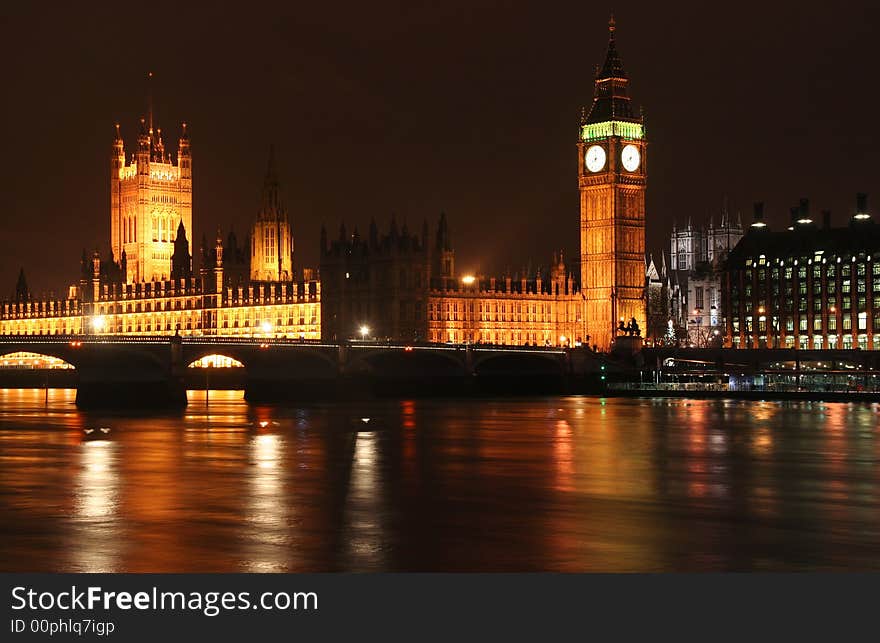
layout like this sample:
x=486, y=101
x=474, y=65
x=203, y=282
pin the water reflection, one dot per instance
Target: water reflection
x=267, y=508
x=559, y=484
x=364, y=534
x=96, y=540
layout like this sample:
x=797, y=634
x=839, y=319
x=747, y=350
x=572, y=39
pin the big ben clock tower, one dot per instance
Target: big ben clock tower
x=612, y=180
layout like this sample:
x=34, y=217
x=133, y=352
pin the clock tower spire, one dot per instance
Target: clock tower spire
x=612, y=180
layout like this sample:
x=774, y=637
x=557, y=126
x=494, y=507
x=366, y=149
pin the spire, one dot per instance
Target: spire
x=217, y=254
x=206, y=253
x=183, y=152
x=611, y=98
x=612, y=68
x=144, y=138
x=271, y=208
x=150, y=98
x=443, y=233
x=181, y=261
x=22, y=293
x=159, y=146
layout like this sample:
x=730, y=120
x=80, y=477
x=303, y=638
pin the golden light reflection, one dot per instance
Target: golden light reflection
x=363, y=515
x=267, y=508
x=563, y=455
x=95, y=541
x=762, y=442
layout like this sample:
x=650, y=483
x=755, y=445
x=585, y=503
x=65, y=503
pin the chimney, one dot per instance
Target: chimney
x=759, y=216
x=804, y=212
x=861, y=207
x=795, y=215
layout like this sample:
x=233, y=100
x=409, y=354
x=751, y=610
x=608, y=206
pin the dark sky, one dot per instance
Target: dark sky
x=417, y=107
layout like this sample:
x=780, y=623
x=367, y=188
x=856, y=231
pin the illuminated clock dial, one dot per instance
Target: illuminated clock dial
x=595, y=158
x=630, y=158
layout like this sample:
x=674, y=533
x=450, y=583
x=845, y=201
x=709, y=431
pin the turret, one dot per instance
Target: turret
x=444, y=255
x=143, y=151
x=218, y=267
x=96, y=276
x=272, y=246
x=159, y=147
x=117, y=156
x=184, y=157
x=218, y=250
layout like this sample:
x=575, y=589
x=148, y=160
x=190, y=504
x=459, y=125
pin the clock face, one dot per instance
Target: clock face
x=595, y=158
x=630, y=158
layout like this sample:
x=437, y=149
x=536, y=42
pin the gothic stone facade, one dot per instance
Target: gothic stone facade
x=612, y=179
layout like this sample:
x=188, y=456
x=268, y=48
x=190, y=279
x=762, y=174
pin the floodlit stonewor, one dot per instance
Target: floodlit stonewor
x=401, y=285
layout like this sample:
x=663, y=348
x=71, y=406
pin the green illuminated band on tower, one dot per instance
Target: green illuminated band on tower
x=594, y=131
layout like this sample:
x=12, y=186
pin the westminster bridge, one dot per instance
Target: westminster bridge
x=118, y=370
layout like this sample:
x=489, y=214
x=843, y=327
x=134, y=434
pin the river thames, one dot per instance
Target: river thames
x=567, y=484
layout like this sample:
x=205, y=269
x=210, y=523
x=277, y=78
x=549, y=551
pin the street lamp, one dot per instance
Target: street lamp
x=266, y=327
x=699, y=322
x=365, y=331
x=99, y=323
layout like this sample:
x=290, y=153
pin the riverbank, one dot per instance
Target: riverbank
x=707, y=393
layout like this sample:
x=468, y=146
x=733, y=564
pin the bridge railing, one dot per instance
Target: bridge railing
x=202, y=340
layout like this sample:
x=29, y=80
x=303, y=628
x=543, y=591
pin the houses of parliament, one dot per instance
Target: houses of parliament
x=397, y=284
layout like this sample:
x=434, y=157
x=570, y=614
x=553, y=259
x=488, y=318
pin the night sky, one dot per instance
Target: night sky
x=416, y=107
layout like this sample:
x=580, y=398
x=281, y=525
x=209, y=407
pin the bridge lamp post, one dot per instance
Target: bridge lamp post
x=364, y=331
x=266, y=327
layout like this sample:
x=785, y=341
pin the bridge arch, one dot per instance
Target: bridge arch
x=33, y=360
x=215, y=360
x=57, y=350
